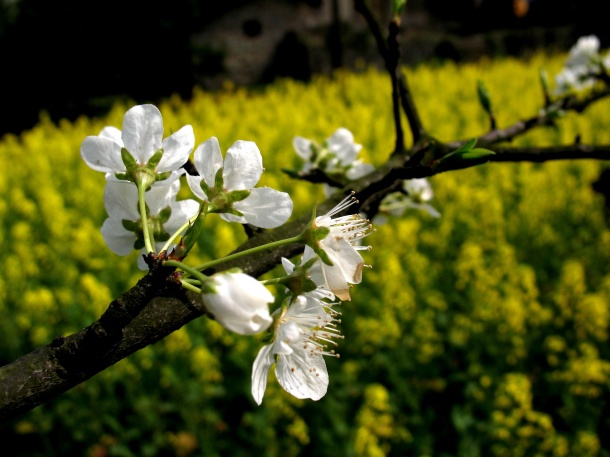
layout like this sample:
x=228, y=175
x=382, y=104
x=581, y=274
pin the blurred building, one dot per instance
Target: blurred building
x=69, y=57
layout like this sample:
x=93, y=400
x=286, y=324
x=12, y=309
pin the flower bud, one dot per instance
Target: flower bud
x=238, y=302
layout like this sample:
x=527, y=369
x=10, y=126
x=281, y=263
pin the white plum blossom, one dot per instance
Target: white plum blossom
x=319, y=293
x=336, y=155
x=581, y=67
x=122, y=230
x=239, y=303
x=234, y=197
x=303, y=333
x=418, y=192
x=341, y=247
x=142, y=137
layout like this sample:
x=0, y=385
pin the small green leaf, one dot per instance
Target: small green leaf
x=191, y=236
x=476, y=153
x=398, y=7
x=484, y=97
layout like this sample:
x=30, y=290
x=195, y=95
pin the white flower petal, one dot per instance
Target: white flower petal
x=119, y=240
x=302, y=374
x=341, y=143
x=161, y=195
x=265, y=207
x=121, y=200
x=102, y=154
x=194, y=183
x=260, y=372
x=243, y=166
x=302, y=146
x=112, y=133
x=176, y=149
x=142, y=131
x=208, y=160
x=358, y=170
x=182, y=211
x=330, y=277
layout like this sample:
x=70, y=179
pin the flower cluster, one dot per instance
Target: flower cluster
x=336, y=156
x=143, y=177
x=415, y=193
x=583, y=67
x=142, y=180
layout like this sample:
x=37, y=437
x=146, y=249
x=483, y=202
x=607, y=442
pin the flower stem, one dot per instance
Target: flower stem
x=149, y=240
x=188, y=286
x=190, y=270
x=186, y=225
x=237, y=255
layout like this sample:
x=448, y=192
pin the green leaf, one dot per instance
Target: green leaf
x=484, y=97
x=191, y=236
x=476, y=153
x=398, y=7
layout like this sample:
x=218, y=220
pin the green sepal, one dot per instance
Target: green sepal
x=154, y=160
x=131, y=226
x=484, y=97
x=239, y=195
x=122, y=176
x=164, y=214
x=323, y=256
x=218, y=179
x=161, y=236
x=163, y=176
x=128, y=160
x=138, y=244
x=205, y=188
x=321, y=233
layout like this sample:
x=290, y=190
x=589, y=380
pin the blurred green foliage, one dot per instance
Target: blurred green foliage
x=482, y=333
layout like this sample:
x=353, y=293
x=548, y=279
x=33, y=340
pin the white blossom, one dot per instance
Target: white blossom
x=418, y=192
x=142, y=137
x=122, y=230
x=581, y=67
x=239, y=303
x=341, y=246
x=236, y=200
x=337, y=155
x=303, y=334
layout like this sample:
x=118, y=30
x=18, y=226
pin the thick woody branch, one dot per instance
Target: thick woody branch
x=543, y=154
x=148, y=312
